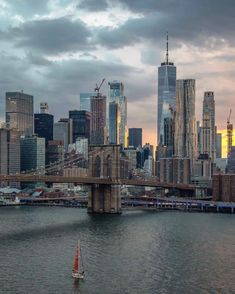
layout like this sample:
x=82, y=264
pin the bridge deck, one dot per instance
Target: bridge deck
x=92, y=180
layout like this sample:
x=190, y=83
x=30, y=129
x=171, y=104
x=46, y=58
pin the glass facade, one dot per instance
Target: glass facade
x=116, y=94
x=32, y=153
x=19, y=112
x=166, y=102
x=114, y=123
x=85, y=101
x=61, y=133
x=81, y=124
x=43, y=125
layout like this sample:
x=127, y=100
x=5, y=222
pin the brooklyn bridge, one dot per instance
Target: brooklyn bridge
x=103, y=177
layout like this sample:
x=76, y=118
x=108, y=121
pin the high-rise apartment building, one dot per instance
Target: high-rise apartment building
x=116, y=94
x=44, y=123
x=185, y=121
x=98, y=119
x=135, y=137
x=85, y=101
x=19, y=112
x=208, y=126
x=81, y=124
x=32, y=154
x=199, y=137
x=114, y=123
x=166, y=103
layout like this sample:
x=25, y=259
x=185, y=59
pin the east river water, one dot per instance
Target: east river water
x=136, y=252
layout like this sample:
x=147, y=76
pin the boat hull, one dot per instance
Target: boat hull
x=77, y=275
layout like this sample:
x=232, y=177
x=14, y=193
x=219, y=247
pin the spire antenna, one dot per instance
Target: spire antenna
x=167, y=51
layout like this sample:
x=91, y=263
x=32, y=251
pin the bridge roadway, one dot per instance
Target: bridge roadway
x=92, y=180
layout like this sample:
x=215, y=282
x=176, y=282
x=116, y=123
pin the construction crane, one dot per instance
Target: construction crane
x=229, y=134
x=97, y=88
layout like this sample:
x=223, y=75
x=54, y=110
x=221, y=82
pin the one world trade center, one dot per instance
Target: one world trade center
x=166, y=105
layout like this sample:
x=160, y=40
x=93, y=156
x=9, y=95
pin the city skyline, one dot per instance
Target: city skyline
x=119, y=42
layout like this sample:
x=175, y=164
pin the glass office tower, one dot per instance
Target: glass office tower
x=166, y=102
x=19, y=112
x=85, y=101
x=114, y=123
x=81, y=121
x=116, y=94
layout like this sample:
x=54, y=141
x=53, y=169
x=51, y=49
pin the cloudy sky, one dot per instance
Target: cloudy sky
x=55, y=49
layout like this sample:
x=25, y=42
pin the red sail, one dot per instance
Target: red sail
x=76, y=260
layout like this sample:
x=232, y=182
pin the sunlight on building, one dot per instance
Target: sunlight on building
x=224, y=142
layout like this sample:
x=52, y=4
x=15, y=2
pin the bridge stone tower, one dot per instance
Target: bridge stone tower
x=104, y=162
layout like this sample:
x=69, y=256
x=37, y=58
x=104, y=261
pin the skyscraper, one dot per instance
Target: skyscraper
x=98, y=119
x=3, y=152
x=135, y=137
x=116, y=94
x=85, y=101
x=19, y=112
x=10, y=153
x=114, y=123
x=44, y=123
x=185, y=121
x=208, y=126
x=199, y=137
x=166, y=102
x=81, y=124
x=63, y=131
x=32, y=153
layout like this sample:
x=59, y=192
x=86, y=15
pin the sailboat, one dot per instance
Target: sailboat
x=78, y=272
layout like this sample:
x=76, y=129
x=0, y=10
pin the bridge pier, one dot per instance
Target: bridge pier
x=104, y=199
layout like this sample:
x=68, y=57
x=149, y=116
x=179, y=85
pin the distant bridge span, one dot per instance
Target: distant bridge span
x=93, y=180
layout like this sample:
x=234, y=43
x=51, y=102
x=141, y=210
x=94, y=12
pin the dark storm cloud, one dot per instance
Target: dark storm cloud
x=207, y=8
x=206, y=23
x=93, y=5
x=51, y=36
x=60, y=83
x=82, y=75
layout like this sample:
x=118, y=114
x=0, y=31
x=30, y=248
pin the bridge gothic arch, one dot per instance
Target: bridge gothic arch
x=108, y=166
x=97, y=167
x=104, y=162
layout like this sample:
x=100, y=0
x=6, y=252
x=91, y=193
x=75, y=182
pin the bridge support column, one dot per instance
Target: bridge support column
x=104, y=199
